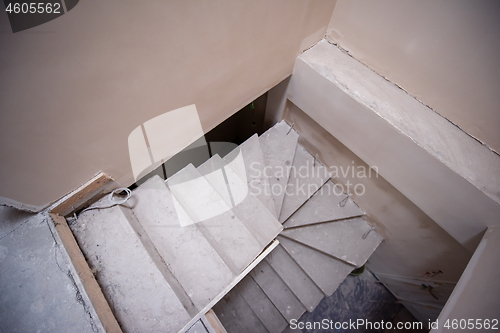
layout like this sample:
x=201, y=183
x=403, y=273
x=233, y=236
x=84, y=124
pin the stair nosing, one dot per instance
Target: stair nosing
x=342, y=219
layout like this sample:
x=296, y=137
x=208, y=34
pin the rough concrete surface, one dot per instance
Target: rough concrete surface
x=277, y=291
x=133, y=285
x=190, y=257
x=306, y=177
x=327, y=272
x=401, y=139
x=278, y=147
x=38, y=292
x=323, y=206
x=354, y=242
x=295, y=278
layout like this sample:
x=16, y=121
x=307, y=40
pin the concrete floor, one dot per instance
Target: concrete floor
x=37, y=289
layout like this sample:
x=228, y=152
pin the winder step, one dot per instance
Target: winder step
x=351, y=241
x=306, y=177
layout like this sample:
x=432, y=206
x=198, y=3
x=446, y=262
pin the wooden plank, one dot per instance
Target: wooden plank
x=245, y=272
x=76, y=199
x=215, y=322
x=89, y=283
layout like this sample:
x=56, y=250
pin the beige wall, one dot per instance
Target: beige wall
x=73, y=89
x=445, y=53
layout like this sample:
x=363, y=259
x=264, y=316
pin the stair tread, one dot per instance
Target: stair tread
x=261, y=305
x=324, y=206
x=306, y=178
x=243, y=312
x=277, y=291
x=212, y=170
x=222, y=228
x=190, y=257
x=327, y=272
x=126, y=273
x=299, y=283
x=227, y=317
x=343, y=239
x=278, y=148
x=251, y=211
x=255, y=176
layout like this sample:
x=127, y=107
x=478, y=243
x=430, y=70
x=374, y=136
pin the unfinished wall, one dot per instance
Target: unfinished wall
x=74, y=88
x=414, y=243
x=445, y=53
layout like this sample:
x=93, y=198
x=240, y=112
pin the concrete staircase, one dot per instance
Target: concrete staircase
x=324, y=239
x=200, y=240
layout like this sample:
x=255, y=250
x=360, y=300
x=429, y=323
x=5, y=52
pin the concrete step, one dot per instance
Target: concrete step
x=213, y=171
x=261, y=305
x=351, y=241
x=226, y=233
x=328, y=204
x=306, y=178
x=134, y=286
x=277, y=291
x=295, y=278
x=278, y=147
x=234, y=304
x=327, y=272
x=189, y=256
x=254, y=171
x=227, y=317
x=250, y=210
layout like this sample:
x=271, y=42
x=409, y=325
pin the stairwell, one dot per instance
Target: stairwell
x=260, y=235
